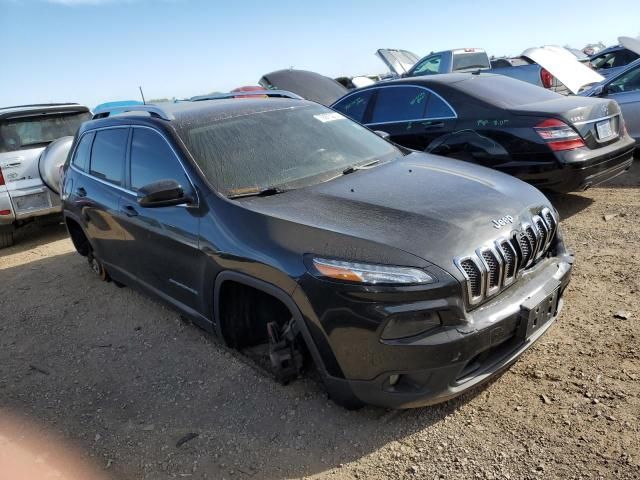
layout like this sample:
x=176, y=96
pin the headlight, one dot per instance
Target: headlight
x=370, y=273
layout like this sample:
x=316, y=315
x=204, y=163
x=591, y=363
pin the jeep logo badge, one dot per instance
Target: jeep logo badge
x=501, y=222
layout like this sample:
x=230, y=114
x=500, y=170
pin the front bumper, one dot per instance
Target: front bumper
x=435, y=367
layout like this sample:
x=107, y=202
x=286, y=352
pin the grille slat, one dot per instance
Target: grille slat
x=491, y=269
x=494, y=269
x=510, y=260
x=474, y=277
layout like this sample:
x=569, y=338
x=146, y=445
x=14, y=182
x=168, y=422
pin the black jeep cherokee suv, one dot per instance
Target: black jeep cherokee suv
x=408, y=278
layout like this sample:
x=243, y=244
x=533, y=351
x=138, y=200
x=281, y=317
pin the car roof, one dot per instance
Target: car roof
x=181, y=113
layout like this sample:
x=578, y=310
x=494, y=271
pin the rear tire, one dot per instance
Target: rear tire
x=6, y=239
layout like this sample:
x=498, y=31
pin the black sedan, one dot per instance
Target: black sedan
x=554, y=142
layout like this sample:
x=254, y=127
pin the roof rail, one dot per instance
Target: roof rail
x=152, y=110
x=252, y=93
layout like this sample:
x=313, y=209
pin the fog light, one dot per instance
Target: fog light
x=403, y=326
x=393, y=379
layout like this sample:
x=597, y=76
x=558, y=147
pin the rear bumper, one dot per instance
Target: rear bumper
x=579, y=169
x=465, y=357
x=582, y=169
x=28, y=202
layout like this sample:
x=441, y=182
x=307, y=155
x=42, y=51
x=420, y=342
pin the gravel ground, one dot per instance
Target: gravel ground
x=143, y=395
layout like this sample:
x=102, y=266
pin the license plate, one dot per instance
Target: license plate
x=604, y=129
x=535, y=312
x=34, y=201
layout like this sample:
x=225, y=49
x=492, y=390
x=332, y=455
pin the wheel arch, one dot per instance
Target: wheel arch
x=275, y=292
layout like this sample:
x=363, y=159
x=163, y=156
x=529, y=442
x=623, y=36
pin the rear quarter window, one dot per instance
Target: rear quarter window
x=83, y=152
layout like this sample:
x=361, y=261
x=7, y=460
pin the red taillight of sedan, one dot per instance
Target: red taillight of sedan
x=1, y=178
x=546, y=78
x=558, y=135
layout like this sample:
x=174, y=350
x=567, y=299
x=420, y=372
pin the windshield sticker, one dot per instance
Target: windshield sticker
x=329, y=117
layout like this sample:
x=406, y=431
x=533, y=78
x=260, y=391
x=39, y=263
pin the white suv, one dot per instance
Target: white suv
x=25, y=131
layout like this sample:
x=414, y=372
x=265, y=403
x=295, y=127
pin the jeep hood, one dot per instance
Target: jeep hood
x=432, y=207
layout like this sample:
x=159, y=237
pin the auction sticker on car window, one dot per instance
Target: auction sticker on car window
x=328, y=117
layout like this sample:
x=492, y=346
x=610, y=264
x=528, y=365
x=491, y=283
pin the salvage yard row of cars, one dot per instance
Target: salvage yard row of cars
x=320, y=220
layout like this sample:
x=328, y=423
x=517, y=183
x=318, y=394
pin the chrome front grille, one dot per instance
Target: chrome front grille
x=491, y=268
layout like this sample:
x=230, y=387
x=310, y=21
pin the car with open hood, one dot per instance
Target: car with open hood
x=406, y=278
x=551, y=67
x=555, y=142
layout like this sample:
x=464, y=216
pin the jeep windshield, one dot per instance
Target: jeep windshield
x=38, y=129
x=271, y=151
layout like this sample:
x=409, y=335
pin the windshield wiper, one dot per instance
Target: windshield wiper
x=354, y=168
x=262, y=192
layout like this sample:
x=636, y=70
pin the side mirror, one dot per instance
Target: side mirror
x=164, y=193
x=599, y=90
x=382, y=134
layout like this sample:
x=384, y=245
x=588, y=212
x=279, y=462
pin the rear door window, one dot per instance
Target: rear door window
x=152, y=160
x=354, y=106
x=398, y=104
x=108, y=154
x=83, y=152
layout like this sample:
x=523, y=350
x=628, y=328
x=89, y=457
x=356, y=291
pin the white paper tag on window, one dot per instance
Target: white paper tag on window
x=328, y=117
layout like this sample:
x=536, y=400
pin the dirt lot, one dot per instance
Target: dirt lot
x=125, y=380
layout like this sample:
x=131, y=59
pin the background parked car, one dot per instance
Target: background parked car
x=624, y=88
x=553, y=141
x=612, y=60
x=25, y=131
x=543, y=66
x=309, y=85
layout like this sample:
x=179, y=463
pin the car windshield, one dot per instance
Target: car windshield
x=38, y=130
x=281, y=149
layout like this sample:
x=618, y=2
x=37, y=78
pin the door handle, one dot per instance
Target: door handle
x=81, y=192
x=434, y=125
x=130, y=211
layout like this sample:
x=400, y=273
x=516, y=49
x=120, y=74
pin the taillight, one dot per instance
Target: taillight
x=1, y=178
x=546, y=78
x=558, y=135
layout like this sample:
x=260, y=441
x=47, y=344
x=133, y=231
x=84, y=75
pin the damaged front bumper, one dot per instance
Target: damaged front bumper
x=462, y=353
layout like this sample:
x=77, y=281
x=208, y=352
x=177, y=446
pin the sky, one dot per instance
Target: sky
x=93, y=51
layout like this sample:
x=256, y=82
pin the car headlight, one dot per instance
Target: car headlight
x=369, y=273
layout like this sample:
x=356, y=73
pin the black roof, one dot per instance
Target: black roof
x=182, y=113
